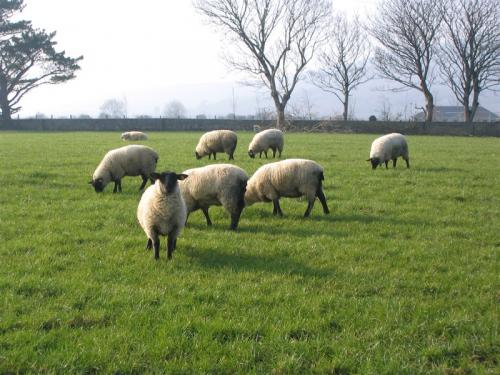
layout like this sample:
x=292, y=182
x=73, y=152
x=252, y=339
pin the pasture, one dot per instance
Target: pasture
x=401, y=277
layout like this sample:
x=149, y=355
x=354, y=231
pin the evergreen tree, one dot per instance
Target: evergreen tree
x=28, y=59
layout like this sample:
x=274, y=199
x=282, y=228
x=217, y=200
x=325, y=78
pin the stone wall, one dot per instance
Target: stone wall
x=374, y=127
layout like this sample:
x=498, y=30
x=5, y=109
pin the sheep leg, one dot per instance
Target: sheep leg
x=407, y=162
x=144, y=181
x=149, y=245
x=170, y=245
x=120, y=185
x=277, y=208
x=115, y=188
x=209, y=156
x=235, y=218
x=156, y=246
x=274, y=152
x=394, y=162
x=310, y=206
x=205, y=212
x=260, y=155
x=322, y=199
x=215, y=156
x=386, y=164
x=265, y=153
x=279, y=153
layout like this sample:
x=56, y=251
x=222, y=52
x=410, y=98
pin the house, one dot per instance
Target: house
x=456, y=114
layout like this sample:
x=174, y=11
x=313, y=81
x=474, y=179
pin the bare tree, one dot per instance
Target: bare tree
x=273, y=39
x=343, y=62
x=407, y=32
x=470, y=52
x=113, y=108
x=174, y=109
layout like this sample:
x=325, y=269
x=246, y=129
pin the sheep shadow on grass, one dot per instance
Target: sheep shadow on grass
x=244, y=262
x=263, y=221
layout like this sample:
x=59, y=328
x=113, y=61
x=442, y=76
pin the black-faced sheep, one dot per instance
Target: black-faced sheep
x=215, y=185
x=389, y=147
x=162, y=211
x=133, y=160
x=267, y=139
x=216, y=141
x=290, y=178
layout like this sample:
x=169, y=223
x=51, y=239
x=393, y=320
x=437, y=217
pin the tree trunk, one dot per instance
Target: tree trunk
x=280, y=115
x=4, y=100
x=429, y=106
x=467, y=114
x=475, y=100
x=346, y=107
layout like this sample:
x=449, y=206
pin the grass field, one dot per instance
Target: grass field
x=402, y=277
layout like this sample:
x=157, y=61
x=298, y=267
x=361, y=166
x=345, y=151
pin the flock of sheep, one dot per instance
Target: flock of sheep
x=165, y=205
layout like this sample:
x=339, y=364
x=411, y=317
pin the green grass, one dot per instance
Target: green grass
x=402, y=277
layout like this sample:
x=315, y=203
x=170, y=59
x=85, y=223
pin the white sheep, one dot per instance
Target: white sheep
x=290, y=178
x=216, y=141
x=132, y=160
x=389, y=147
x=215, y=185
x=162, y=211
x=267, y=139
x=134, y=136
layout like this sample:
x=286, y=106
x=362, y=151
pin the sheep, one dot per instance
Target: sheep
x=216, y=141
x=134, y=136
x=266, y=139
x=162, y=211
x=132, y=160
x=216, y=184
x=389, y=147
x=290, y=178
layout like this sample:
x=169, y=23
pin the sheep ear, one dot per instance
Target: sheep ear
x=182, y=176
x=91, y=182
x=155, y=176
x=368, y=159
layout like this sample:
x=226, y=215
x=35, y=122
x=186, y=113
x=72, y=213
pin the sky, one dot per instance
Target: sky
x=151, y=52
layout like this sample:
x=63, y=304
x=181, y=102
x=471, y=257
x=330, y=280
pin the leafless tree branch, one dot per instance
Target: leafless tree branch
x=273, y=40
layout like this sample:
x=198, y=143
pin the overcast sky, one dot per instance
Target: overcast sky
x=154, y=51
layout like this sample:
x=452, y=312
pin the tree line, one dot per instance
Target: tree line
x=411, y=43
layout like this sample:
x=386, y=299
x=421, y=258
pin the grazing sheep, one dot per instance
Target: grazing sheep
x=133, y=160
x=134, y=136
x=216, y=141
x=290, y=178
x=265, y=140
x=162, y=211
x=215, y=185
x=389, y=147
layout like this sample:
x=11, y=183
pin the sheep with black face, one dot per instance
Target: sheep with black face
x=267, y=139
x=389, y=147
x=133, y=160
x=162, y=211
x=290, y=178
x=215, y=185
x=216, y=141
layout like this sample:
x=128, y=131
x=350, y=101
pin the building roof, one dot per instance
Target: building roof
x=456, y=113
